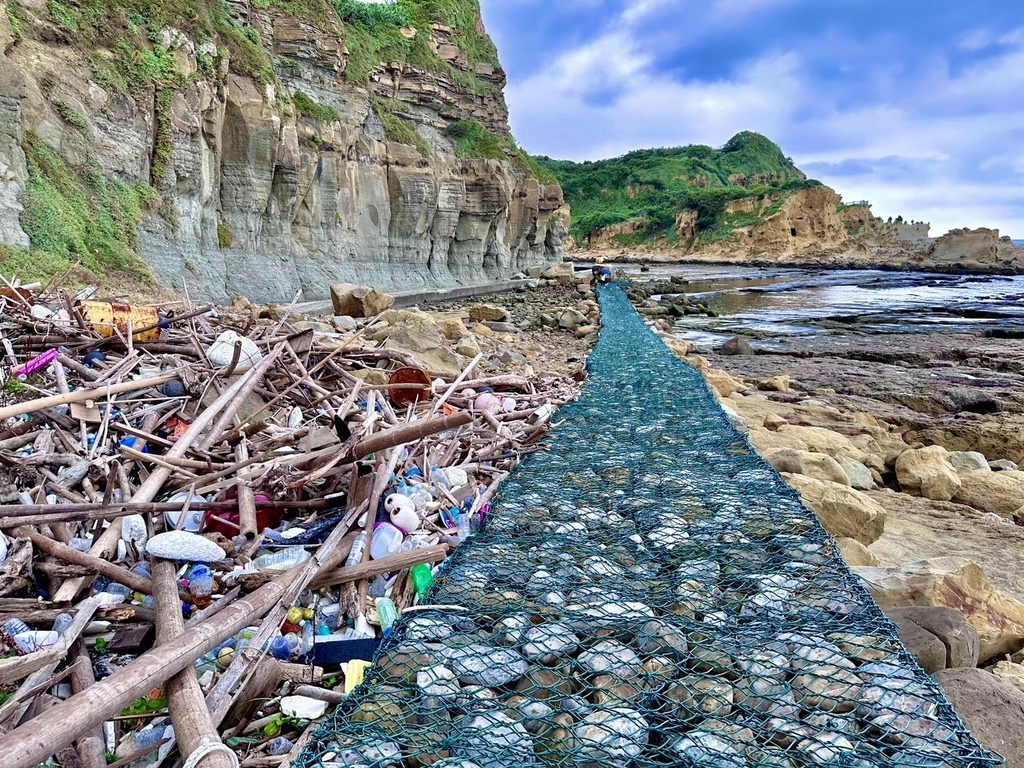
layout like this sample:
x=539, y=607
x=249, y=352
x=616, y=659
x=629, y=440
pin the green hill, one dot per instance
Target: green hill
x=654, y=185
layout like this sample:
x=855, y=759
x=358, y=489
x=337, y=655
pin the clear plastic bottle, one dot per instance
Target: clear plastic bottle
x=279, y=746
x=306, y=638
x=62, y=622
x=387, y=614
x=358, y=548
x=465, y=526
x=282, y=560
x=13, y=627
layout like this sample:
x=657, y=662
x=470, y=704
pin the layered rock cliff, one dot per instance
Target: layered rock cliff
x=253, y=162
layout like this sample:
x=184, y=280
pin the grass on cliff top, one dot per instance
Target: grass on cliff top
x=373, y=35
x=655, y=185
x=76, y=217
x=471, y=139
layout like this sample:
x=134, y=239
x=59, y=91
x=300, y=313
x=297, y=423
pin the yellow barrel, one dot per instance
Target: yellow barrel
x=105, y=316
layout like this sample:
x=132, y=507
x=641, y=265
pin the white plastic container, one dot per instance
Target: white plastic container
x=387, y=540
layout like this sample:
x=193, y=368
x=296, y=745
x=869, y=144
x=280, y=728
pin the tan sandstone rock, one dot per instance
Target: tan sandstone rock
x=855, y=553
x=998, y=492
x=928, y=472
x=817, y=465
x=775, y=384
x=722, y=382
x=480, y=313
x=359, y=300
x=842, y=510
x=958, y=583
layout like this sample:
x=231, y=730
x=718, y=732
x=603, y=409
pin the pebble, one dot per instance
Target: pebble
x=549, y=641
x=610, y=657
x=612, y=736
x=706, y=749
x=482, y=665
x=493, y=740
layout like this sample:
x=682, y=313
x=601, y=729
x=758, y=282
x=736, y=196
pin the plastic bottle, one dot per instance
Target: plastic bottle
x=307, y=638
x=465, y=526
x=13, y=627
x=387, y=614
x=422, y=579
x=280, y=649
x=282, y=560
x=355, y=556
x=62, y=622
x=200, y=585
x=279, y=746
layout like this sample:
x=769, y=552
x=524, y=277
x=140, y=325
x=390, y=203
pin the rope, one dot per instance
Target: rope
x=207, y=748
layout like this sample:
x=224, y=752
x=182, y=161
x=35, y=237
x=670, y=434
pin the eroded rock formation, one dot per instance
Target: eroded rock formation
x=257, y=196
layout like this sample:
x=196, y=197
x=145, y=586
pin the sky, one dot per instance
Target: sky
x=914, y=105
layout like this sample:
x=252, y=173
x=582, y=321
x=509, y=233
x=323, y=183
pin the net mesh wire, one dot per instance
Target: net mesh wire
x=647, y=591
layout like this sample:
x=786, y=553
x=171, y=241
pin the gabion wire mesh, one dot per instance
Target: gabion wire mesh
x=646, y=592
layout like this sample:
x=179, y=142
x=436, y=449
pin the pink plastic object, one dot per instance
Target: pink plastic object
x=36, y=364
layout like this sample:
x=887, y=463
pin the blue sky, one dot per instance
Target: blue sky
x=915, y=105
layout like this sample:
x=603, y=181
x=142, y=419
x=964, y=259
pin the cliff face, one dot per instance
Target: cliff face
x=267, y=185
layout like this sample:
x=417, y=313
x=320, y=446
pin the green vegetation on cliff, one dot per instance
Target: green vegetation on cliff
x=653, y=186
x=76, y=217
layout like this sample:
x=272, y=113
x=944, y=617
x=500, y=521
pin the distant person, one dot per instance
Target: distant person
x=600, y=272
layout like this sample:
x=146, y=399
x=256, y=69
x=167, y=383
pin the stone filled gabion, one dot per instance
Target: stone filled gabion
x=646, y=592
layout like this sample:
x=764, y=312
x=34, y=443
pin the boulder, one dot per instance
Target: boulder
x=842, y=510
x=737, y=345
x=564, y=273
x=926, y=648
x=724, y=384
x=969, y=460
x=816, y=465
x=452, y=327
x=927, y=472
x=480, y=313
x=571, y=319
x=959, y=640
x=422, y=339
x=859, y=475
x=468, y=346
x=774, y=384
x=998, y=492
x=855, y=553
x=958, y=583
x=1010, y=671
x=773, y=421
x=359, y=300
x=499, y=327
x=992, y=709
x=344, y=323
x=1003, y=465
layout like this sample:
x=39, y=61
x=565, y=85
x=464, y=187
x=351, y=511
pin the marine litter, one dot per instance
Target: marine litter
x=212, y=521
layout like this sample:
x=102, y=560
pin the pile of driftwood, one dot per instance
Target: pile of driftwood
x=119, y=424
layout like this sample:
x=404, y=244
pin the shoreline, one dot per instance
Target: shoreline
x=825, y=262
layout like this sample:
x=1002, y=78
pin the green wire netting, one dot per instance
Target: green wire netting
x=646, y=592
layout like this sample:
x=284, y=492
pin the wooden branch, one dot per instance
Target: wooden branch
x=82, y=395
x=27, y=746
x=95, y=564
x=373, y=568
x=12, y=515
x=191, y=721
x=90, y=747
